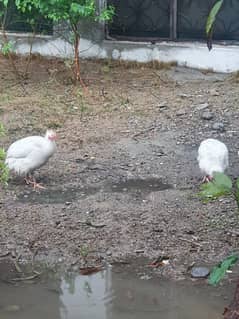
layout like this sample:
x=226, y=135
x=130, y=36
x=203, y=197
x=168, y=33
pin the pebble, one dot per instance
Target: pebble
x=139, y=251
x=75, y=268
x=218, y=126
x=202, y=106
x=207, y=115
x=184, y=96
x=109, y=253
x=181, y=112
x=67, y=203
x=163, y=105
x=214, y=92
x=145, y=277
x=200, y=272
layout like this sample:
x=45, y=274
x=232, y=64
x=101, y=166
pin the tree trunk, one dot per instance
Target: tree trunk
x=77, y=58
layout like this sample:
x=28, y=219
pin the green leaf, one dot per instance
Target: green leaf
x=7, y=48
x=237, y=192
x=2, y=130
x=219, y=271
x=222, y=180
x=2, y=154
x=5, y=3
x=210, y=22
x=212, y=16
x=219, y=186
x=107, y=14
x=86, y=10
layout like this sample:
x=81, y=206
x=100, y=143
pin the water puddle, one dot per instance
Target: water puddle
x=111, y=295
x=60, y=196
x=57, y=196
x=142, y=185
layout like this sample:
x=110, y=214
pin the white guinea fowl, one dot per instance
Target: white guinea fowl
x=30, y=153
x=212, y=158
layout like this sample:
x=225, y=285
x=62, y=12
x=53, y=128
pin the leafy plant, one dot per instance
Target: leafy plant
x=211, y=21
x=219, y=271
x=7, y=48
x=219, y=186
x=72, y=12
x=4, y=174
x=2, y=132
x=19, y=14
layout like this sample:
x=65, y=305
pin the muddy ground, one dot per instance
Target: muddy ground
x=124, y=180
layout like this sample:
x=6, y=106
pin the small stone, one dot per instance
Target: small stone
x=67, y=203
x=202, y=106
x=163, y=105
x=180, y=112
x=207, y=115
x=214, y=92
x=75, y=268
x=218, y=126
x=184, y=96
x=109, y=253
x=145, y=277
x=139, y=251
x=200, y=272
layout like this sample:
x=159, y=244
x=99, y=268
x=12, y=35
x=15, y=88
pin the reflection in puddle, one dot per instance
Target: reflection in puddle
x=86, y=296
x=111, y=295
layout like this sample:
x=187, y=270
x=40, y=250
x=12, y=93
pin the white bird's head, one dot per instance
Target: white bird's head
x=50, y=135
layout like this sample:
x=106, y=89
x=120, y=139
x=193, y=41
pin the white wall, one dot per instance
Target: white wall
x=221, y=58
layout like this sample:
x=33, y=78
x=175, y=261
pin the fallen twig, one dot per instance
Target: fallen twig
x=5, y=254
x=190, y=241
x=160, y=261
x=36, y=274
x=151, y=128
x=88, y=223
x=33, y=256
x=18, y=268
x=90, y=270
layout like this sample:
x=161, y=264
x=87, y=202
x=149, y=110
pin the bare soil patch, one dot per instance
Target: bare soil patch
x=123, y=182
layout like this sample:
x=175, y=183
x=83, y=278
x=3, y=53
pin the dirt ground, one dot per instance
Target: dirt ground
x=124, y=180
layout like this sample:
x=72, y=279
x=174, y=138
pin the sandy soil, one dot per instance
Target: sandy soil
x=124, y=180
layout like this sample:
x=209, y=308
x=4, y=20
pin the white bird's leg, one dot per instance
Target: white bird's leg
x=31, y=180
x=207, y=178
x=28, y=179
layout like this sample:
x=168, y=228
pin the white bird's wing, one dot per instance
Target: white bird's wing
x=24, y=147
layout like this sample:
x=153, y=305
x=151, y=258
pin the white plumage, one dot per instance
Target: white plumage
x=30, y=153
x=212, y=157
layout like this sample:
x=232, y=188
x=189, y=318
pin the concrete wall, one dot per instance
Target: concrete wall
x=222, y=58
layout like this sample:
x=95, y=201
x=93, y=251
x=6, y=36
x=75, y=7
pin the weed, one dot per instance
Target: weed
x=7, y=48
x=221, y=185
x=4, y=173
